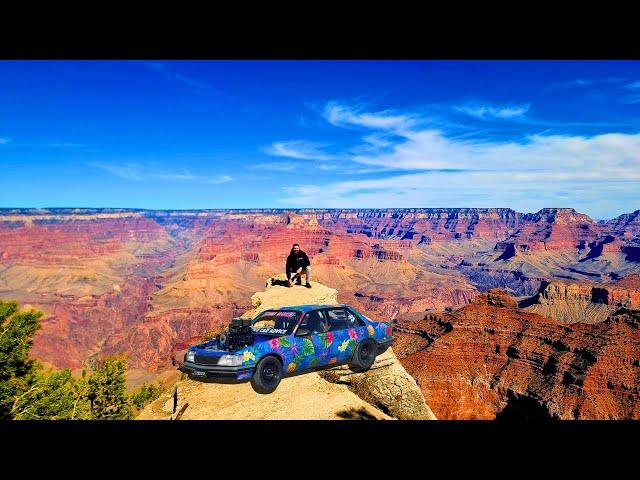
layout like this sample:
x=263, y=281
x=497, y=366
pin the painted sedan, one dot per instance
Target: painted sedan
x=290, y=339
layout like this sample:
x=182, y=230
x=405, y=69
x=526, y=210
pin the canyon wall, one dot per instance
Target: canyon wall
x=145, y=283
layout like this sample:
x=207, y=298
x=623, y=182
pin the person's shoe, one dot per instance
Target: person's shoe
x=298, y=282
x=289, y=284
x=308, y=285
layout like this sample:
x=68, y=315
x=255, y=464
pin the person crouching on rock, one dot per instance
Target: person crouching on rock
x=297, y=264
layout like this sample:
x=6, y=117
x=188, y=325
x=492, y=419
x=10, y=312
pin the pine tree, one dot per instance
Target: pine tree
x=107, y=391
x=50, y=398
x=147, y=394
x=18, y=373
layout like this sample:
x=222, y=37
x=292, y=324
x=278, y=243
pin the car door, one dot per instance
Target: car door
x=304, y=346
x=347, y=330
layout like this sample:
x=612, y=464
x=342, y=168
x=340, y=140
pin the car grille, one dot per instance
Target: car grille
x=206, y=360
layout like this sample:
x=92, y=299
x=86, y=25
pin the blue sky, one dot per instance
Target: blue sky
x=338, y=134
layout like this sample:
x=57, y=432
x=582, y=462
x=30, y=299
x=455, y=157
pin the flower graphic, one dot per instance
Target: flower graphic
x=248, y=356
x=292, y=366
x=371, y=330
x=343, y=346
x=353, y=334
x=328, y=339
x=274, y=343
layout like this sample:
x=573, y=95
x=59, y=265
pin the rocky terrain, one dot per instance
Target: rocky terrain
x=386, y=391
x=149, y=283
x=491, y=359
x=112, y=279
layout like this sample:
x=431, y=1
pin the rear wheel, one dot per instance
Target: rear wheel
x=364, y=356
x=267, y=376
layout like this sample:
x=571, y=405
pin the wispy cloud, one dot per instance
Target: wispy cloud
x=487, y=111
x=345, y=115
x=195, y=83
x=589, y=82
x=275, y=166
x=4, y=141
x=137, y=172
x=592, y=172
x=633, y=85
x=65, y=145
x=299, y=149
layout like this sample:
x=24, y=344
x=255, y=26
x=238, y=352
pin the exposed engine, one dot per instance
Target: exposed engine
x=238, y=335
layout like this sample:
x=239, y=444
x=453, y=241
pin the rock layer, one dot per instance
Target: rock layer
x=490, y=359
x=142, y=282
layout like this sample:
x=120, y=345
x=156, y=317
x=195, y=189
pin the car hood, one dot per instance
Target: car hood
x=213, y=347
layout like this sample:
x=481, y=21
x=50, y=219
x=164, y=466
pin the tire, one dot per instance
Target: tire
x=267, y=376
x=364, y=356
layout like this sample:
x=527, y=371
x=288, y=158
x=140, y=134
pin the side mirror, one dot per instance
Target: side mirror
x=303, y=332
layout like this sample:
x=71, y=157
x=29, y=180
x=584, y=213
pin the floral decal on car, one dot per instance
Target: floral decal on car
x=298, y=353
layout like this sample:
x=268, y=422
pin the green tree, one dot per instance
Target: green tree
x=51, y=397
x=147, y=393
x=106, y=392
x=18, y=373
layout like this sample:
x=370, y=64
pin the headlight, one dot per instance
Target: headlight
x=191, y=356
x=230, y=360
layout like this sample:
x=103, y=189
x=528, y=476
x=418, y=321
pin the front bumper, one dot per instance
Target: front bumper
x=216, y=371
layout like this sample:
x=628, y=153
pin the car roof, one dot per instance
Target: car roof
x=308, y=307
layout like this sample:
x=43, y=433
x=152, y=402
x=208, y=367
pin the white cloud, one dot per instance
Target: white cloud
x=275, y=166
x=195, y=83
x=588, y=82
x=484, y=111
x=137, y=172
x=599, y=173
x=299, y=149
x=129, y=171
x=341, y=115
x=633, y=85
x=4, y=141
x=218, y=179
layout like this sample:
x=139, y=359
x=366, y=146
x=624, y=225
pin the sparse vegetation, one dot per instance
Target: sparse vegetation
x=29, y=393
x=147, y=394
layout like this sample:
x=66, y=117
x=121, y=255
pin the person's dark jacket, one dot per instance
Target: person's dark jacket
x=294, y=262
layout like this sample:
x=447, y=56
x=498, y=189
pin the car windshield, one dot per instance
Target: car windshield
x=275, y=322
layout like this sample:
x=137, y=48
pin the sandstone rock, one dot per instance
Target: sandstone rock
x=482, y=360
x=276, y=296
x=585, y=303
x=385, y=391
x=303, y=397
x=181, y=273
x=387, y=386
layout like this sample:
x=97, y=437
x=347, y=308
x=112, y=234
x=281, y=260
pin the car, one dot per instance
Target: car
x=289, y=340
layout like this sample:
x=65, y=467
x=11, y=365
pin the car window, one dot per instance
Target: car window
x=353, y=320
x=313, y=322
x=275, y=322
x=341, y=319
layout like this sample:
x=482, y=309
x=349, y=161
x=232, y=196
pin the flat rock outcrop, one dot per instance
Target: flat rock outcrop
x=585, y=303
x=386, y=391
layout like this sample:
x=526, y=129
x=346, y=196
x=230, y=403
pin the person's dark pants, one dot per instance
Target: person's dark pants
x=305, y=271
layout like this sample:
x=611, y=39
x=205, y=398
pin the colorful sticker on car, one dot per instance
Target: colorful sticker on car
x=299, y=353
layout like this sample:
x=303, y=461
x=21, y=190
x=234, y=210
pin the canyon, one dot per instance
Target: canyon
x=147, y=283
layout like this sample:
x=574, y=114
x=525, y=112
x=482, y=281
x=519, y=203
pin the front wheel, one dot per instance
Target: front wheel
x=364, y=356
x=267, y=376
